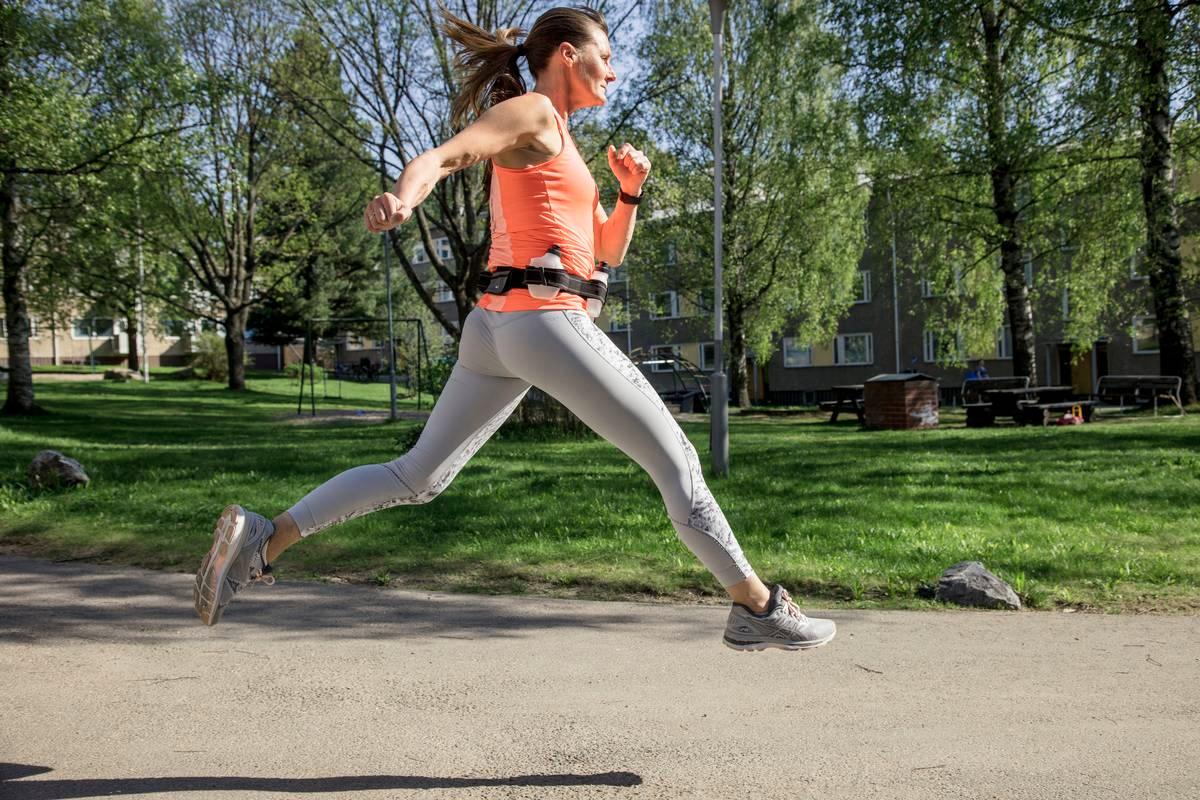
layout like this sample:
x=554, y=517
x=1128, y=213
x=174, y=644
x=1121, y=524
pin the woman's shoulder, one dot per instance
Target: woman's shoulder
x=531, y=107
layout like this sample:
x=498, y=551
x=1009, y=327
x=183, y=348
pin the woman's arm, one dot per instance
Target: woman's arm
x=513, y=124
x=613, y=233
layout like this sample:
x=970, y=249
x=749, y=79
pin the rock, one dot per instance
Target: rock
x=970, y=584
x=119, y=374
x=50, y=469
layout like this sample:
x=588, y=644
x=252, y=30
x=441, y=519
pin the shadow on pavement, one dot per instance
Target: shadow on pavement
x=44, y=601
x=108, y=787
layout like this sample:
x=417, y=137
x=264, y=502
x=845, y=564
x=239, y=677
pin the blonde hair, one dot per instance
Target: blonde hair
x=488, y=62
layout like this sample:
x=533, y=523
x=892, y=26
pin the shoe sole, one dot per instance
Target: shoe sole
x=753, y=647
x=227, y=540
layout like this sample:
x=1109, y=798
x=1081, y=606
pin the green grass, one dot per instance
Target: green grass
x=1100, y=516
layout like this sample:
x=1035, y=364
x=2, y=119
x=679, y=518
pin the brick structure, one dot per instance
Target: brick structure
x=901, y=401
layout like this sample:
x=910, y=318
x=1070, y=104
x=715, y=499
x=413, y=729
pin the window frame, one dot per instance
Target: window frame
x=1134, y=337
x=112, y=329
x=839, y=347
x=169, y=337
x=674, y=305
x=1004, y=337
x=790, y=347
x=657, y=368
x=929, y=344
x=864, y=296
x=612, y=320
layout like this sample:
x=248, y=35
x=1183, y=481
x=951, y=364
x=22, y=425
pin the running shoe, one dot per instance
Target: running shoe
x=237, y=559
x=781, y=626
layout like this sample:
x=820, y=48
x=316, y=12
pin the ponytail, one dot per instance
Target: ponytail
x=489, y=62
x=488, y=65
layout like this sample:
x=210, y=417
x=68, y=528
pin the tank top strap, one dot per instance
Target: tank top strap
x=562, y=131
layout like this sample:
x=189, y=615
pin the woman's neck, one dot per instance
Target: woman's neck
x=557, y=92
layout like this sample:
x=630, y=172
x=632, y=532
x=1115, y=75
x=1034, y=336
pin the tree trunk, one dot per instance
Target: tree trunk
x=19, y=399
x=1004, y=204
x=739, y=376
x=131, y=333
x=235, y=348
x=1163, y=262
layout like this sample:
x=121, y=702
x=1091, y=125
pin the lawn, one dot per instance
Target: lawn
x=1103, y=516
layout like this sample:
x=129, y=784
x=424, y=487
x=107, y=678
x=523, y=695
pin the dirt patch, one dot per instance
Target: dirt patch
x=327, y=416
x=71, y=377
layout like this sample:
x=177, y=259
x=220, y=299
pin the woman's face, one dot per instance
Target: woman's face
x=593, y=71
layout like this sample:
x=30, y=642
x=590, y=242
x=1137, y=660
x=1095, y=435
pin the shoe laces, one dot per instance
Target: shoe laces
x=263, y=576
x=790, y=606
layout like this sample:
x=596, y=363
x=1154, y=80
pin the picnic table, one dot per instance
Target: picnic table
x=848, y=397
x=1007, y=402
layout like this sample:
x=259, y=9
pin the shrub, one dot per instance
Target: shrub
x=210, y=360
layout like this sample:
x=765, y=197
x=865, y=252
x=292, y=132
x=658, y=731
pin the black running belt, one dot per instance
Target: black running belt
x=505, y=279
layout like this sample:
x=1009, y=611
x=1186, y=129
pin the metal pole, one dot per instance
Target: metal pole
x=387, y=261
x=719, y=432
x=895, y=285
x=140, y=344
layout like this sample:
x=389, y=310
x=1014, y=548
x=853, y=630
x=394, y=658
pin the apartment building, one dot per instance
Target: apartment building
x=96, y=339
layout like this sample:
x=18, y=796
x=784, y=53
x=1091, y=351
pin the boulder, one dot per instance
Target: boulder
x=50, y=469
x=119, y=374
x=970, y=584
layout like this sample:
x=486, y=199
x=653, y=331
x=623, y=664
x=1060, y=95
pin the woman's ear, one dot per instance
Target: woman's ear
x=568, y=52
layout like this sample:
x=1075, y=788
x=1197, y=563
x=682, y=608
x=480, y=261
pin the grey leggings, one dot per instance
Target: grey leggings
x=564, y=354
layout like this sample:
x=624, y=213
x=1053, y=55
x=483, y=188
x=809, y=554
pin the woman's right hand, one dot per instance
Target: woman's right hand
x=385, y=212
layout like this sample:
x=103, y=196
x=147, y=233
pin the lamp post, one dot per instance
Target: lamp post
x=719, y=426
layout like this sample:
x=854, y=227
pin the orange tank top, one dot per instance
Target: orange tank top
x=532, y=208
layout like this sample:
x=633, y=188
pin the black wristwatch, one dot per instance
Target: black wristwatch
x=633, y=200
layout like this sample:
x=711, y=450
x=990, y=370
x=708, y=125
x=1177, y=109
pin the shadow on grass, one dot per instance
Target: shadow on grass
x=105, y=787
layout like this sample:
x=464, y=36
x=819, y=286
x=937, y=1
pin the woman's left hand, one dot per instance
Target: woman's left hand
x=631, y=167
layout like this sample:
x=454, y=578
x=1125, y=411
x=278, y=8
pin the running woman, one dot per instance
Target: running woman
x=541, y=195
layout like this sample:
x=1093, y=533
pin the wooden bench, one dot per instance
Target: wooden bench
x=980, y=412
x=1139, y=390
x=1050, y=413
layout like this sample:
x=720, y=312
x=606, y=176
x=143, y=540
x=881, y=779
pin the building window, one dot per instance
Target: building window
x=442, y=293
x=1066, y=303
x=443, y=249
x=1135, y=266
x=708, y=356
x=92, y=328
x=1028, y=271
x=617, y=275
x=854, y=348
x=33, y=328
x=1004, y=344
x=862, y=287
x=669, y=254
x=419, y=255
x=1145, y=335
x=663, y=356
x=173, y=328
x=618, y=314
x=704, y=303
x=796, y=354
x=929, y=347
x=664, y=305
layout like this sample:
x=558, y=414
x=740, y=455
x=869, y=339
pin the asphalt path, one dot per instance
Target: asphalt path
x=111, y=687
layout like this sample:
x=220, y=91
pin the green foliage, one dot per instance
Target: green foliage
x=985, y=143
x=211, y=360
x=793, y=200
